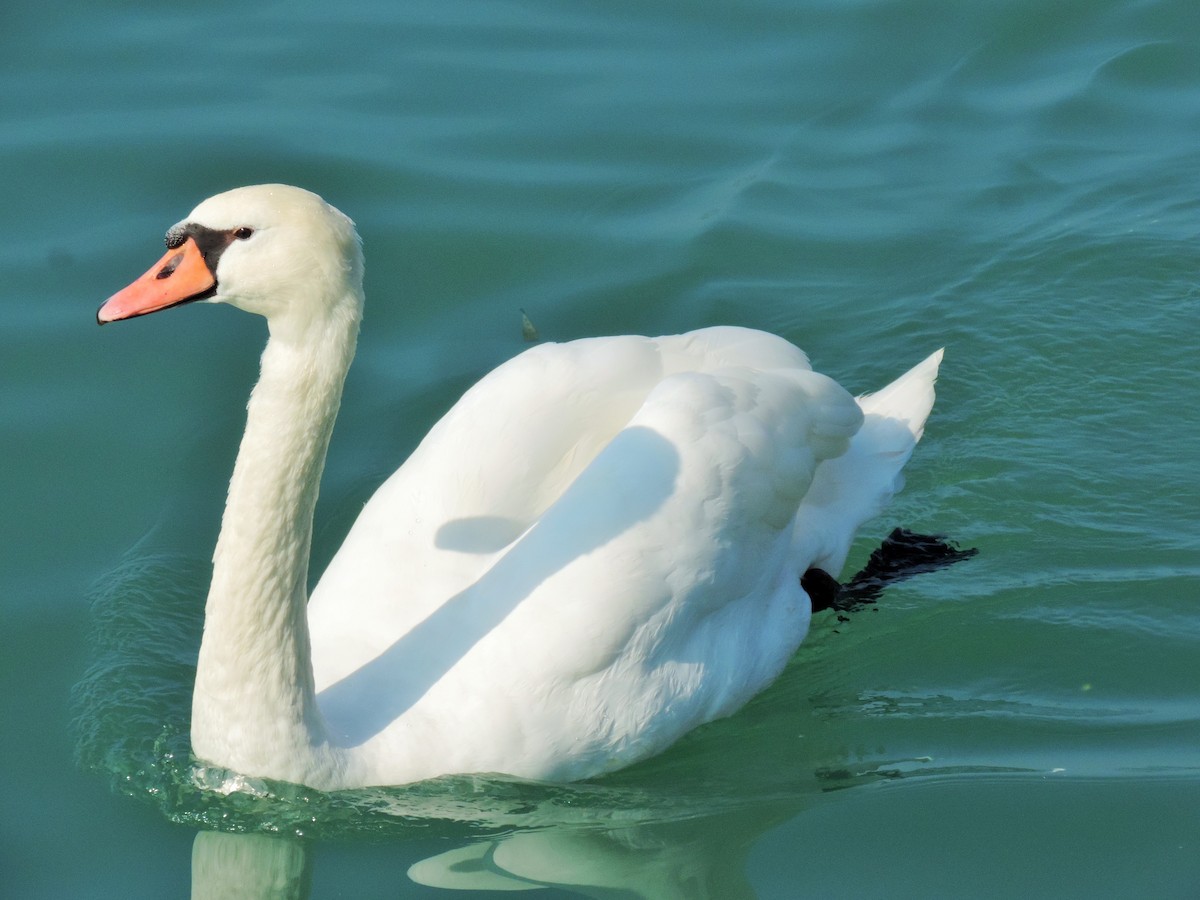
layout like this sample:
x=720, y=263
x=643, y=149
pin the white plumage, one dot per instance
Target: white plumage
x=598, y=548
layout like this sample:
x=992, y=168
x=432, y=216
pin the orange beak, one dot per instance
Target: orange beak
x=181, y=275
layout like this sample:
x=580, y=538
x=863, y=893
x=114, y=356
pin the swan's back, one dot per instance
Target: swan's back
x=594, y=546
x=507, y=449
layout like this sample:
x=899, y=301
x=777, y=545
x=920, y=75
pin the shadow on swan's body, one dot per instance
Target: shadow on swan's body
x=596, y=550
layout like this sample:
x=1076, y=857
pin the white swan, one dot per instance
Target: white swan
x=596, y=550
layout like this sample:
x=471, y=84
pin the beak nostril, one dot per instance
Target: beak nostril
x=172, y=264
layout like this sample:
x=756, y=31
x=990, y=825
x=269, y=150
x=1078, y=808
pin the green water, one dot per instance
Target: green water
x=1015, y=181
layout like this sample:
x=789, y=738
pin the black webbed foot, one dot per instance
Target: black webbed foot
x=902, y=554
x=821, y=587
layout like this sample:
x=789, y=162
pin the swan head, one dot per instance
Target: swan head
x=271, y=249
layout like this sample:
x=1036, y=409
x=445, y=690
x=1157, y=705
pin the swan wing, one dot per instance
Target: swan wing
x=495, y=462
x=660, y=591
x=655, y=590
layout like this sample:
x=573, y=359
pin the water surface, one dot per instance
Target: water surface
x=1016, y=182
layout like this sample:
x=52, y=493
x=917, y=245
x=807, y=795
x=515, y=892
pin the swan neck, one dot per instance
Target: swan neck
x=254, y=708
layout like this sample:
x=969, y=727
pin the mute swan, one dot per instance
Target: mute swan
x=597, y=549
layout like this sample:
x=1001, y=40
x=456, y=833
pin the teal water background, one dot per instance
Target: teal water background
x=1019, y=182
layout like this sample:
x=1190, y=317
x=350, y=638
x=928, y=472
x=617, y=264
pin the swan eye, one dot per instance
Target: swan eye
x=242, y=233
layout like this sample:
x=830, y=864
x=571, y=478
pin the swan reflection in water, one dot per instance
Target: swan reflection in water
x=692, y=859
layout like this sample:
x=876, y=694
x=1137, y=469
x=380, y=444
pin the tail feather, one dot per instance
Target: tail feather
x=855, y=487
x=908, y=399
